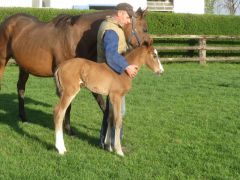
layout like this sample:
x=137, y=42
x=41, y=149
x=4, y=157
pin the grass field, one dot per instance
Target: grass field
x=182, y=125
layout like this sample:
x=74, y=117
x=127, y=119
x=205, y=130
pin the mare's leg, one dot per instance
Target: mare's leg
x=59, y=112
x=117, y=122
x=108, y=140
x=67, y=121
x=100, y=101
x=104, y=126
x=22, y=80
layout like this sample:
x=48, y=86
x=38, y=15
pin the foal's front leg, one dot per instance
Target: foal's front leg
x=116, y=102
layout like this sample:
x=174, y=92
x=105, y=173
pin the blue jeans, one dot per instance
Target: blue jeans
x=104, y=126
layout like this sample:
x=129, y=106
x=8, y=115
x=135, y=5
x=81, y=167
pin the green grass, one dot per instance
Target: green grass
x=182, y=125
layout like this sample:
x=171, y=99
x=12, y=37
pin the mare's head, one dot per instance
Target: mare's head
x=152, y=60
x=137, y=32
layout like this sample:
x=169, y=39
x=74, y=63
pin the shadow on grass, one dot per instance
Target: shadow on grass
x=9, y=116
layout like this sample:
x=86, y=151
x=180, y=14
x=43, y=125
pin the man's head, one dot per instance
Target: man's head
x=124, y=13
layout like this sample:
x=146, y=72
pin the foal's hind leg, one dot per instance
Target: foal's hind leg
x=59, y=113
x=22, y=79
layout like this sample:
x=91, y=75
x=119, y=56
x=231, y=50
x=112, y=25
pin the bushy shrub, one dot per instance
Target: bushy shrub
x=170, y=23
x=159, y=23
x=45, y=14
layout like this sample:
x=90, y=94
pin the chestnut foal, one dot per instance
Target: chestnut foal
x=75, y=73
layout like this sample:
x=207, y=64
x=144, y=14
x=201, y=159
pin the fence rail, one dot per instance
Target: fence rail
x=202, y=47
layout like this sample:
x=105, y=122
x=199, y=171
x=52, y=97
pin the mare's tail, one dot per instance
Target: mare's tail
x=7, y=30
x=4, y=41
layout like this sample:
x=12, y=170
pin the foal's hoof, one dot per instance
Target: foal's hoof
x=120, y=153
x=61, y=150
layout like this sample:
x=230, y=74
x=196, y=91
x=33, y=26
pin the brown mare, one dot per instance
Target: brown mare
x=73, y=74
x=39, y=47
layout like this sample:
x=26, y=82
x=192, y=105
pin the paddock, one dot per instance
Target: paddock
x=187, y=126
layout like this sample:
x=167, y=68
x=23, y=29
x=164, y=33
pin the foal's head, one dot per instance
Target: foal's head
x=152, y=60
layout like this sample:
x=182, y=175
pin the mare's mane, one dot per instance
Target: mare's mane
x=64, y=20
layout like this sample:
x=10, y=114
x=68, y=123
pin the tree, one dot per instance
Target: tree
x=209, y=6
x=228, y=6
x=231, y=6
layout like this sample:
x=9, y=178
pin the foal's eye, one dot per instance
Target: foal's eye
x=154, y=55
x=145, y=30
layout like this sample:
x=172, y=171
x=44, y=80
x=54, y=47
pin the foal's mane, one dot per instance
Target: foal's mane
x=131, y=51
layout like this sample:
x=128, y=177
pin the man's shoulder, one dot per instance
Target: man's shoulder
x=111, y=22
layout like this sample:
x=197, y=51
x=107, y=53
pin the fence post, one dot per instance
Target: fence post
x=202, y=50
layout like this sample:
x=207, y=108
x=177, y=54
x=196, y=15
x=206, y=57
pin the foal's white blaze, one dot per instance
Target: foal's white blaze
x=60, y=142
x=160, y=65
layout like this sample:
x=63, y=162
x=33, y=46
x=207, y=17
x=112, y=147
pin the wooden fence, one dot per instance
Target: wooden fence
x=202, y=47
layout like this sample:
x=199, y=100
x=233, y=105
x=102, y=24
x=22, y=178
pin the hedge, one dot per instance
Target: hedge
x=170, y=23
x=43, y=14
x=159, y=23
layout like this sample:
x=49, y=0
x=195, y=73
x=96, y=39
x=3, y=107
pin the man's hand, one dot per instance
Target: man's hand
x=132, y=70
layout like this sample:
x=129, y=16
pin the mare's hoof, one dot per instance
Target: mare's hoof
x=109, y=148
x=69, y=132
x=23, y=118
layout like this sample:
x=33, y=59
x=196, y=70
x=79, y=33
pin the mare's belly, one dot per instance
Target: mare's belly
x=36, y=66
x=33, y=56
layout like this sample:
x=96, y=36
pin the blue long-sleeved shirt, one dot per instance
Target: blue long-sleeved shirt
x=115, y=60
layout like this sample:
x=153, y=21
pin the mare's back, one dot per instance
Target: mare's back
x=18, y=23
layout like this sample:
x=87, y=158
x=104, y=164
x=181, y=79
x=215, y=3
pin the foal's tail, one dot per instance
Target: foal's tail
x=57, y=83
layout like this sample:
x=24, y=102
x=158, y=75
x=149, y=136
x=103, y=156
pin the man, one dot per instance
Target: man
x=111, y=43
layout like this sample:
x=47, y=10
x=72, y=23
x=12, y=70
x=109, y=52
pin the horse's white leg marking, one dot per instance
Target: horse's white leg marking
x=59, y=115
x=60, y=142
x=117, y=142
x=108, y=138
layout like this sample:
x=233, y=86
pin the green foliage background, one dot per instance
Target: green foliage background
x=168, y=23
x=159, y=23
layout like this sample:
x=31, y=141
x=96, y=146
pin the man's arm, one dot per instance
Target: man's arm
x=115, y=60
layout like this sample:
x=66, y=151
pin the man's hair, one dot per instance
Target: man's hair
x=126, y=7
